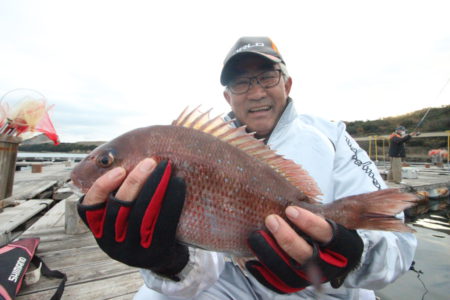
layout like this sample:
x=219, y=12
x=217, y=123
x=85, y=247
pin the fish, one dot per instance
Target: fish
x=233, y=181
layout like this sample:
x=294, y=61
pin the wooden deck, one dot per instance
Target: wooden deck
x=27, y=185
x=12, y=219
x=91, y=274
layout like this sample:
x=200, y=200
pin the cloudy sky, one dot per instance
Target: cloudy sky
x=111, y=66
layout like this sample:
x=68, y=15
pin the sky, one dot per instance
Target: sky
x=112, y=66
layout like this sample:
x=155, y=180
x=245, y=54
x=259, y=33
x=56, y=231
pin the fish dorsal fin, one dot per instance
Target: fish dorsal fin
x=241, y=139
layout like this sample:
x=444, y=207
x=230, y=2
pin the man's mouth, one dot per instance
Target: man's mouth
x=259, y=109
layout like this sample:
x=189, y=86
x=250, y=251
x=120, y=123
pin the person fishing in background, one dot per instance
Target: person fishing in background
x=397, y=152
x=292, y=258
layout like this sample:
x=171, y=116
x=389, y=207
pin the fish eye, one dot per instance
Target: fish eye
x=105, y=160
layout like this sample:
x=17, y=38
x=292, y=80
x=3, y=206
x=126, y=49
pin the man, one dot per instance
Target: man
x=348, y=262
x=396, y=152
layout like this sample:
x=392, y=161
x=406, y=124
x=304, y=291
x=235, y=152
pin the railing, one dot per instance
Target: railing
x=374, y=142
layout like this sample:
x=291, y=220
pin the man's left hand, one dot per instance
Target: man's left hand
x=317, y=251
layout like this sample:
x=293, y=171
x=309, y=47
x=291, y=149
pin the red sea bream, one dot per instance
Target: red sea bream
x=234, y=181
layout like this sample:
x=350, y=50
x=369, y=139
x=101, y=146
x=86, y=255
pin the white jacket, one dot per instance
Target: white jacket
x=341, y=168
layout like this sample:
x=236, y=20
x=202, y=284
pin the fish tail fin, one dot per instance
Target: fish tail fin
x=373, y=211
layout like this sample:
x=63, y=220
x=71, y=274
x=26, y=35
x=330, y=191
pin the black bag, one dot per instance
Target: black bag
x=15, y=258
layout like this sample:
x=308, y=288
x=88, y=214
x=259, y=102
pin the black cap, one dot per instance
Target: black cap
x=259, y=45
x=400, y=128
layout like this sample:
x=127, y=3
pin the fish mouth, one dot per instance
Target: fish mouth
x=258, y=109
x=78, y=185
x=78, y=191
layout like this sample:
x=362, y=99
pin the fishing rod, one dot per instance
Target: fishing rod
x=426, y=114
x=421, y=121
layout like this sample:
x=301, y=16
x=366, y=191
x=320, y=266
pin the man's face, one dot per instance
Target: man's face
x=259, y=108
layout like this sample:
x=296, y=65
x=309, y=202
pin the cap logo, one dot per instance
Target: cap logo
x=248, y=46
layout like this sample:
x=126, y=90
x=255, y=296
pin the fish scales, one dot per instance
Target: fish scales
x=228, y=192
x=233, y=182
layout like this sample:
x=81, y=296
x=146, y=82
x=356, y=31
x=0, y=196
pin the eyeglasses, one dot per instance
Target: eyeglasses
x=266, y=79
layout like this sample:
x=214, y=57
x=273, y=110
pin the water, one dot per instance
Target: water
x=432, y=259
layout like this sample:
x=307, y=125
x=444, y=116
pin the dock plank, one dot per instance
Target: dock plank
x=123, y=297
x=30, y=189
x=60, y=242
x=55, y=171
x=99, y=289
x=91, y=274
x=80, y=274
x=13, y=217
x=54, y=218
x=28, y=185
x=76, y=257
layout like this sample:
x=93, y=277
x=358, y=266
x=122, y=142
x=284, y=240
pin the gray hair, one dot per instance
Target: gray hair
x=284, y=71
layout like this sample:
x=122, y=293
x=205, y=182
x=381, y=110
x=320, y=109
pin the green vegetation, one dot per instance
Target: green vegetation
x=438, y=119
x=63, y=147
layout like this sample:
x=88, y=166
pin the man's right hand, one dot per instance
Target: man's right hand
x=137, y=224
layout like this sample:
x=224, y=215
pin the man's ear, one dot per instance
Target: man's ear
x=227, y=96
x=288, y=85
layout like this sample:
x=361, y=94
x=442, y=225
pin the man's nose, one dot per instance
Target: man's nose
x=256, y=90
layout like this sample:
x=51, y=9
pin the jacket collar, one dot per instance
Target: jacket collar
x=288, y=115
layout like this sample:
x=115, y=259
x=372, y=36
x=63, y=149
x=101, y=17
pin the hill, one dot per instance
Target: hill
x=438, y=119
x=41, y=143
x=38, y=139
x=62, y=147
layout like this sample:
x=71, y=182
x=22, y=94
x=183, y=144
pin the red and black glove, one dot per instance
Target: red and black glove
x=282, y=274
x=141, y=233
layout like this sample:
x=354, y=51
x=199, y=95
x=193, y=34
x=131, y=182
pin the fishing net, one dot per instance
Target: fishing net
x=24, y=111
x=45, y=126
x=27, y=113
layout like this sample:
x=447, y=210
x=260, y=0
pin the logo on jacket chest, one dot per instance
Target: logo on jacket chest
x=364, y=165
